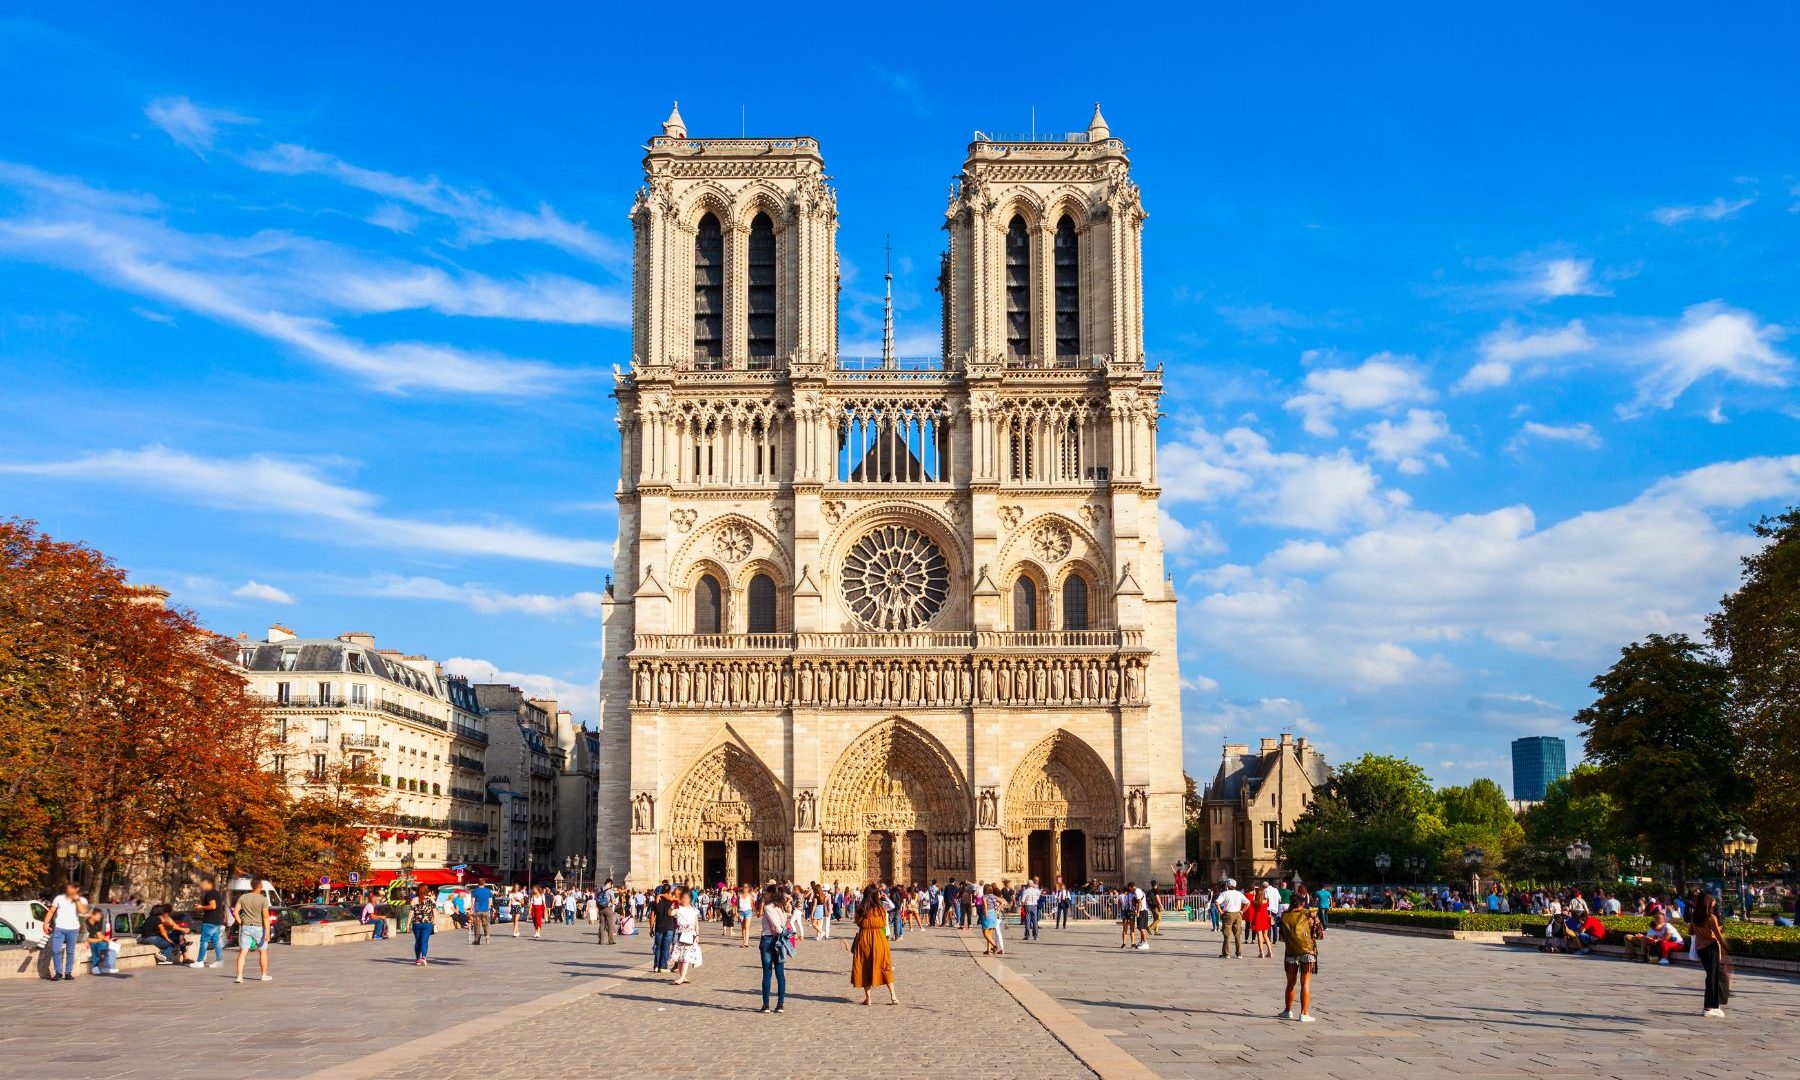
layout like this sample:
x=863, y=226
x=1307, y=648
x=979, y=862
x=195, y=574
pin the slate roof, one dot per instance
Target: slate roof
x=328, y=656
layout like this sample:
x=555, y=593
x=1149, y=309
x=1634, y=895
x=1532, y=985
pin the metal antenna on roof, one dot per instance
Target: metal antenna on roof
x=887, y=317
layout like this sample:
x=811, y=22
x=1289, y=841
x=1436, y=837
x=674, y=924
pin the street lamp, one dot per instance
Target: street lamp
x=72, y=853
x=576, y=866
x=1640, y=866
x=1472, y=857
x=1579, y=852
x=1739, y=848
x=1415, y=865
x=1382, y=862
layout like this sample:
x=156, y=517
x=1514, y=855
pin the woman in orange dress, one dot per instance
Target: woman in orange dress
x=871, y=962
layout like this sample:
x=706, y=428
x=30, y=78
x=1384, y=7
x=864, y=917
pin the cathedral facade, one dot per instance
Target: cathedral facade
x=899, y=620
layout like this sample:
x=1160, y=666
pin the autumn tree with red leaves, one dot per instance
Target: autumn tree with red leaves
x=124, y=728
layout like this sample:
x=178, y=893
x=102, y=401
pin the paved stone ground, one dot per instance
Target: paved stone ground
x=953, y=1021
x=325, y=1006
x=1391, y=1005
x=1388, y=1006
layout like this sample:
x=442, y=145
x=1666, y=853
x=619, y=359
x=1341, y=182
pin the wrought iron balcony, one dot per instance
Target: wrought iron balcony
x=360, y=742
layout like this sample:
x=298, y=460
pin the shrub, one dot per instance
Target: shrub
x=1438, y=920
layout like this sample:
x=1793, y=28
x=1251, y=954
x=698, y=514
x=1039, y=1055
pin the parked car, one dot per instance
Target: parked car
x=503, y=911
x=11, y=937
x=26, y=917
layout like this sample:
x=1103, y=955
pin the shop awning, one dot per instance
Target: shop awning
x=434, y=878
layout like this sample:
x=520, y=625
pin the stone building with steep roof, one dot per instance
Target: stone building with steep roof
x=1253, y=799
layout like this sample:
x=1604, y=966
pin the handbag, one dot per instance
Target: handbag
x=686, y=937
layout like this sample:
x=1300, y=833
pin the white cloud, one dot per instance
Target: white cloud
x=1188, y=541
x=267, y=594
x=1557, y=278
x=256, y=282
x=1711, y=340
x=192, y=126
x=1325, y=492
x=1581, y=434
x=1507, y=347
x=547, y=298
x=486, y=600
x=298, y=492
x=393, y=217
x=1380, y=382
x=580, y=698
x=1245, y=721
x=1717, y=210
x=1406, y=443
x=1381, y=607
x=480, y=216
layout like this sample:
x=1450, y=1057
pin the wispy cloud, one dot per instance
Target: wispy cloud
x=1565, y=277
x=1717, y=210
x=479, y=215
x=193, y=126
x=1581, y=434
x=487, y=600
x=1407, y=443
x=300, y=493
x=1507, y=347
x=1711, y=340
x=266, y=594
x=582, y=699
x=258, y=283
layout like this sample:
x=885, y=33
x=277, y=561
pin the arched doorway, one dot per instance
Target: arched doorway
x=1062, y=814
x=728, y=822
x=896, y=809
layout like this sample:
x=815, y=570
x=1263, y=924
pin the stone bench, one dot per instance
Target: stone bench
x=133, y=954
x=1617, y=949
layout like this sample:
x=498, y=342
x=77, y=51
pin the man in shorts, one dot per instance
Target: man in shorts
x=252, y=912
x=1300, y=934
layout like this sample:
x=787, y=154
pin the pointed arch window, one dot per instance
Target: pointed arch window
x=707, y=606
x=1067, y=256
x=709, y=290
x=1025, y=604
x=1075, y=603
x=761, y=297
x=1018, y=288
x=762, y=605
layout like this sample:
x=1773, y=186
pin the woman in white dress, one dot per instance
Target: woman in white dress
x=686, y=955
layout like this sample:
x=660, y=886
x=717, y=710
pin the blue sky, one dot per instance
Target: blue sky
x=1479, y=326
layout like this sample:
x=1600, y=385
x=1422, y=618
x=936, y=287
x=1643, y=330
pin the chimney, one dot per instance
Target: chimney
x=278, y=632
x=357, y=637
x=1300, y=745
x=1287, y=739
x=1269, y=745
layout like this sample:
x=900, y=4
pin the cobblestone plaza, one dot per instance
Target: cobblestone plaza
x=1068, y=1006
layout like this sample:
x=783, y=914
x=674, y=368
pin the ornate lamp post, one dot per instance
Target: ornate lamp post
x=1640, y=866
x=1472, y=858
x=1577, y=853
x=1739, y=849
x=72, y=853
x=1382, y=862
x=1415, y=865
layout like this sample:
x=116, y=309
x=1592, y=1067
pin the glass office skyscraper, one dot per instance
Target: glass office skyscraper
x=1537, y=760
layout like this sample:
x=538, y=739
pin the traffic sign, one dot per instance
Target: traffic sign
x=325, y=879
x=355, y=877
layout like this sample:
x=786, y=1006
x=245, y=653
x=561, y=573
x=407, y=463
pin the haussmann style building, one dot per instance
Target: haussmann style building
x=905, y=619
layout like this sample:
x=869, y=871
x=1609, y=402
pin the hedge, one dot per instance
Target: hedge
x=1741, y=939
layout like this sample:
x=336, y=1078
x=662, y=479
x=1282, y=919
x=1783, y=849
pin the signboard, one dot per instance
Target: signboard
x=355, y=877
x=325, y=880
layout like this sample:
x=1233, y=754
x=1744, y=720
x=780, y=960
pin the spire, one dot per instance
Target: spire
x=1097, y=129
x=887, y=316
x=675, y=127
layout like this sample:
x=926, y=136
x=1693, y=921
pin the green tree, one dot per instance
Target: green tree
x=1757, y=628
x=1665, y=749
x=1476, y=816
x=1374, y=804
x=1573, y=809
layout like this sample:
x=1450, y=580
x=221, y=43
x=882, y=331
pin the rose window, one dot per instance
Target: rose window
x=895, y=578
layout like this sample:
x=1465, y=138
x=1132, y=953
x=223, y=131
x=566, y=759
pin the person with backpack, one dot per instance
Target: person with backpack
x=606, y=900
x=1301, y=933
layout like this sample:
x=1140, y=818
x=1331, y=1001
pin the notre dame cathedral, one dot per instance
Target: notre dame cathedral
x=900, y=619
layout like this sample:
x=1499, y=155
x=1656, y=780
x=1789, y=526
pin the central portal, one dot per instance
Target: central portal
x=896, y=809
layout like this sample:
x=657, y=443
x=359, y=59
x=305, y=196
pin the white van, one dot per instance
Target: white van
x=25, y=916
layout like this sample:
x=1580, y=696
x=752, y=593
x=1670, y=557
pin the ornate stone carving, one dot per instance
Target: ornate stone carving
x=832, y=510
x=734, y=541
x=1009, y=516
x=895, y=578
x=643, y=812
x=779, y=516
x=806, y=810
x=954, y=510
x=728, y=795
x=683, y=519
x=1137, y=809
x=1091, y=514
x=1051, y=542
x=988, y=809
x=896, y=779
